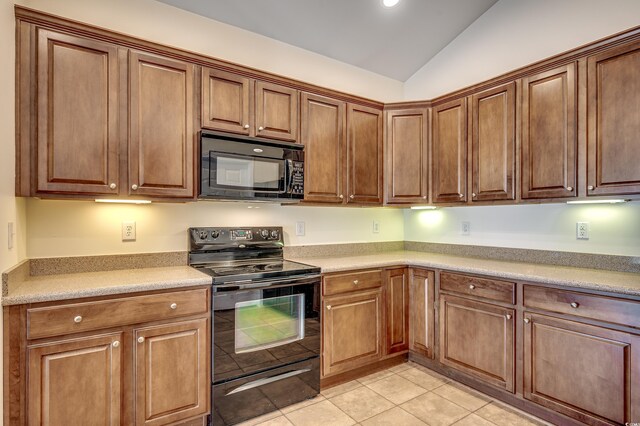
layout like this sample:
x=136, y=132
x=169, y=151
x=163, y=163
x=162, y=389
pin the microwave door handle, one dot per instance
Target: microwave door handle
x=289, y=173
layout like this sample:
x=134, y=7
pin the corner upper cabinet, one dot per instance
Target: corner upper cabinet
x=237, y=104
x=613, y=130
x=549, y=134
x=163, y=132
x=364, y=154
x=74, y=84
x=323, y=134
x=493, y=137
x=449, y=145
x=406, y=156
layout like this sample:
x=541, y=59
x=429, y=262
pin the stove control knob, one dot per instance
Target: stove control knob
x=203, y=235
x=264, y=233
x=274, y=234
x=215, y=234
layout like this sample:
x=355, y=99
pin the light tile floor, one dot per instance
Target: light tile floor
x=407, y=395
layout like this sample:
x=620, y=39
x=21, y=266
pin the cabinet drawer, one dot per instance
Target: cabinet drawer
x=344, y=283
x=609, y=309
x=87, y=316
x=500, y=291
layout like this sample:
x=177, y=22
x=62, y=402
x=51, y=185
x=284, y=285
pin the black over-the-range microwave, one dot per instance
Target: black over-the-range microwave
x=250, y=169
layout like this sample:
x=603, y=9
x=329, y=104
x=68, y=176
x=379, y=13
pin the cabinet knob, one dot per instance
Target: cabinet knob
x=351, y=196
x=174, y=306
x=328, y=307
x=508, y=316
x=471, y=286
x=140, y=339
x=355, y=282
x=134, y=187
x=527, y=320
x=424, y=197
x=569, y=188
x=246, y=126
x=341, y=196
x=77, y=319
x=260, y=128
x=591, y=187
x=115, y=344
x=113, y=186
x=574, y=305
x=473, y=194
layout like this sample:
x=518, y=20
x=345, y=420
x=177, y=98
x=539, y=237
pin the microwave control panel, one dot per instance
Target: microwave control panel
x=297, y=178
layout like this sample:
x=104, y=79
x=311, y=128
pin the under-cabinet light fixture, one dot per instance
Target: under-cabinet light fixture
x=116, y=201
x=611, y=201
x=423, y=207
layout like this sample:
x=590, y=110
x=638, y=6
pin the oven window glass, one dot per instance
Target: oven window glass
x=248, y=172
x=266, y=323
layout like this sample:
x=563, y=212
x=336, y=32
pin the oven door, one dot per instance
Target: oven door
x=264, y=324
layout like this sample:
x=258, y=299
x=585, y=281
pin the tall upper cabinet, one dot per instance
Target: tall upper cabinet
x=449, y=145
x=364, y=154
x=613, y=116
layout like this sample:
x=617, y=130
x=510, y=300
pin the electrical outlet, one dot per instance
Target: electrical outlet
x=300, y=228
x=582, y=230
x=10, y=234
x=465, y=228
x=128, y=231
x=376, y=227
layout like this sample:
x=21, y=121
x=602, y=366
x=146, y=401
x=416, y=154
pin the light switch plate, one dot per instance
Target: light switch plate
x=376, y=227
x=10, y=234
x=128, y=231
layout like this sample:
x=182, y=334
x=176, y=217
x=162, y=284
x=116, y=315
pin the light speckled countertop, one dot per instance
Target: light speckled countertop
x=44, y=288
x=592, y=279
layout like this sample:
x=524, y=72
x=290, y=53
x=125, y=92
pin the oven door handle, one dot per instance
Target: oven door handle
x=249, y=285
x=267, y=380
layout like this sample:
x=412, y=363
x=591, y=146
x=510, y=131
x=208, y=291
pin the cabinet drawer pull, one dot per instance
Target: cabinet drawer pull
x=328, y=307
x=471, y=286
x=527, y=320
x=113, y=186
x=134, y=187
x=574, y=305
x=115, y=344
x=508, y=316
x=173, y=306
x=77, y=319
x=246, y=126
x=355, y=282
x=140, y=339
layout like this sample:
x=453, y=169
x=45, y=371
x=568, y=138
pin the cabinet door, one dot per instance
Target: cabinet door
x=587, y=372
x=449, y=139
x=77, y=109
x=406, y=157
x=478, y=338
x=162, y=131
x=397, y=313
x=493, y=140
x=422, y=312
x=549, y=134
x=351, y=333
x=613, y=86
x=364, y=154
x=172, y=374
x=276, y=112
x=225, y=101
x=323, y=136
x=75, y=381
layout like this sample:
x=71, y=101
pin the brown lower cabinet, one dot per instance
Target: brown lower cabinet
x=421, y=311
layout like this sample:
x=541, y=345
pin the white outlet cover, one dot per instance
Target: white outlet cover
x=300, y=229
x=376, y=227
x=128, y=231
x=582, y=230
x=10, y=235
x=465, y=228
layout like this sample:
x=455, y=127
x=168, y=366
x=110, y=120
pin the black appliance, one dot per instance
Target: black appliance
x=250, y=169
x=266, y=321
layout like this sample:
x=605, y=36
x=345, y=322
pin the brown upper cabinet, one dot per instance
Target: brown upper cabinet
x=237, y=104
x=407, y=156
x=449, y=145
x=549, y=133
x=613, y=105
x=323, y=134
x=364, y=154
x=493, y=131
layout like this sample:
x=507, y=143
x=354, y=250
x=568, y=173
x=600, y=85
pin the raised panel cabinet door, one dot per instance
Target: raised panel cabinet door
x=449, y=145
x=406, y=156
x=493, y=139
x=549, y=134
x=276, y=111
x=586, y=372
x=75, y=382
x=162, y=132
x=226, y=103
x=323, y=135
x=172, y=374
x=364, y=154
x=479, y=339
x=397, y=314
x=352, y=331
x=421, y=311
x=613, y=130
x=77, y=109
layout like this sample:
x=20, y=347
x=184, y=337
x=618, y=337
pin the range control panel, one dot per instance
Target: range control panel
x=208, y=235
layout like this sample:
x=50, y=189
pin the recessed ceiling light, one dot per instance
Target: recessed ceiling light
x=390, y=3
